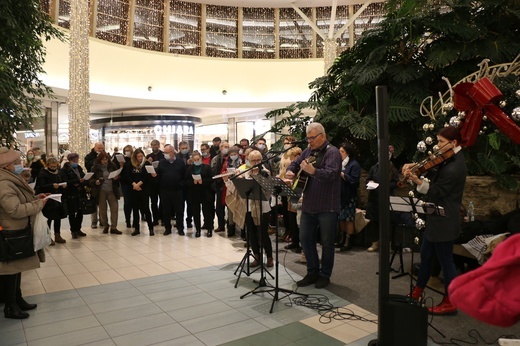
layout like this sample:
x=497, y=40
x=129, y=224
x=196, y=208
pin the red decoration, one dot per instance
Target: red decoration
x=475, y=99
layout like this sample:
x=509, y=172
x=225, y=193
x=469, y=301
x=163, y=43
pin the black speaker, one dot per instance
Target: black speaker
x=403, y=322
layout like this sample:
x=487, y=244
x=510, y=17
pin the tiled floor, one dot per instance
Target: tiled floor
x=120, y=290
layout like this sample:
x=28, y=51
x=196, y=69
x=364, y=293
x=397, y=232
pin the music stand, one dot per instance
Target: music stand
x=249, y=189
x=277, y=187
x=414, y=206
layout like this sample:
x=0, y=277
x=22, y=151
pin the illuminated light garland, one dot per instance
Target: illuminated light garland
x=221, y=25
x=79, y=97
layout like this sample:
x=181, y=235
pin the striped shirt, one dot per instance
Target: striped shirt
x=323, y=190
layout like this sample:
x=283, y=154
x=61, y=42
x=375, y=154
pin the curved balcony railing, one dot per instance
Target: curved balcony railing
x=188, y=28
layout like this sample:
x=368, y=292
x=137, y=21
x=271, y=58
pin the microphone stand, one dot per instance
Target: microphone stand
x=276, y=191
x=245, y=259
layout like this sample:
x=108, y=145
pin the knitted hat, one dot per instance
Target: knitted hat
x=8, y=156
x=72, y=156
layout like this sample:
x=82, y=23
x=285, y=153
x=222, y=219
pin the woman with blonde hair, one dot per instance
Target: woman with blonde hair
x=140, y=181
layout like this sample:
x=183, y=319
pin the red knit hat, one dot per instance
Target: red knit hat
x=491, y=293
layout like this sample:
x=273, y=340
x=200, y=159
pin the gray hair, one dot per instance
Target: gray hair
x=315, y=126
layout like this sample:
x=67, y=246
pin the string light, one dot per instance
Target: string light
x=258, y=28
x=79, y=98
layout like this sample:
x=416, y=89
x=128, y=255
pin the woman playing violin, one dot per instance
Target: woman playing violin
x=445, y=189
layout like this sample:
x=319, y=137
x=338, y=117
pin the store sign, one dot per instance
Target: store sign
x=31, y=134
x=169, y=129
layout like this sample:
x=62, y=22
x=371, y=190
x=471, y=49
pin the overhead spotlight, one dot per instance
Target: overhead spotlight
x=224, y=92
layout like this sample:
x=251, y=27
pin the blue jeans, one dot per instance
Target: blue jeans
x=327, y=223
x=444, y=251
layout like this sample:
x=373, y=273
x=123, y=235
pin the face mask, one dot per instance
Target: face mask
x=98, y=152
x=74, y=165
x=128, y=154
x=248, y=164
x=184, y=151
x=167, y=156
x=37, y=157
x=205, y=154
x=197, y=163
x=287, y=146
x=30, y=157
x=225, y=151
x=233, y=157
x=241, y=151
x=51, y=169
x=155, y=151
x=18, y=169
x=261, y=146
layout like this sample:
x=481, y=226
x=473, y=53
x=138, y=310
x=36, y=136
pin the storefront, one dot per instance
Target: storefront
x=138, y=131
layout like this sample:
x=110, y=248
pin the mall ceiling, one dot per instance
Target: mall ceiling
x=103, y=106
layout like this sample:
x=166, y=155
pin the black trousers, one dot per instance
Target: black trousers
x=141, y=203
x=220, y=210
x=154, y=199
x=127, y=205
x=173, y=200
x=204, y=203
x=256, y=233
x=186, y=199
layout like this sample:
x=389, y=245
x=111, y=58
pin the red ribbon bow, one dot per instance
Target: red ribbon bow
x=475, y=99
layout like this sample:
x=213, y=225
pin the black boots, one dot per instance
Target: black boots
x=12, y=310
x=14, y=303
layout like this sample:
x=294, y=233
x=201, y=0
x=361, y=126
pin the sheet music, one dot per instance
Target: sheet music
x=55, y=196
x=372, y=185
x=115, y=173
x=64, y=184
x=196, y=177
x=120, y=158
x=150, y=169
x=88, y=175
x=155, y=164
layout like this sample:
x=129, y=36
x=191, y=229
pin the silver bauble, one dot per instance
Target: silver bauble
x=411, y=194
x=421, y=146
x=431, y=126
x=462, y=114
x=448, y=106
x=444, y=113
x=515, y=114
x=435, y=148
x=517, y=93
x=419, y=224
x=484, y=118
x=425, y=127
x=502, y=104
x=481, y=132
x=429, y=140
x=484, y=128
x=454, y=121
x=430, y=153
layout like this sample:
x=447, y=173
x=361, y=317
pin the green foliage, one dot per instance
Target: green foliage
x=417, y=44
x=21, y=58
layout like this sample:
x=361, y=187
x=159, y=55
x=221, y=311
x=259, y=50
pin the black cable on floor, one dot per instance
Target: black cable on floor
x=475, y=339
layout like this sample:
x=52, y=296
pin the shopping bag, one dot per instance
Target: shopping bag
x=41, y=232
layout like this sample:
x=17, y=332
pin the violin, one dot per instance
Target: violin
x=433, y=161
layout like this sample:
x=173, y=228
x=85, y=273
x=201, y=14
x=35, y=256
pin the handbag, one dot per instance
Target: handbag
x=87, y=203
x=16, y=244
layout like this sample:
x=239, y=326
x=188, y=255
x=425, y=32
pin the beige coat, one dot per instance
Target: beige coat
x=17, y=202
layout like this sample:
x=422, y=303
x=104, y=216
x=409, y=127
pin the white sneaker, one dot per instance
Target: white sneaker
x=374, y=247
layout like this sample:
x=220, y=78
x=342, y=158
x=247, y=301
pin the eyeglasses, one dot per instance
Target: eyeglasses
x=312, y=138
